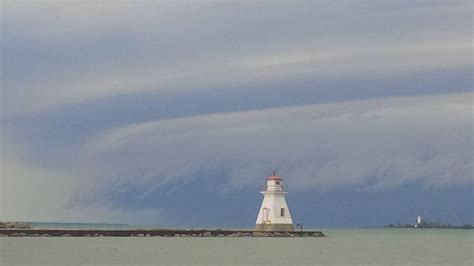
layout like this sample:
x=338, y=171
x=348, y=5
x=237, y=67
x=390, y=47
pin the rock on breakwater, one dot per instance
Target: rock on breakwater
x=14, y=225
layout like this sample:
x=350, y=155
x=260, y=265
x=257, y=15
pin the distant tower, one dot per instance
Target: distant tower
x=418, y=221
x=274, y=214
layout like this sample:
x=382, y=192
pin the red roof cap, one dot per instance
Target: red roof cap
x=274, y=177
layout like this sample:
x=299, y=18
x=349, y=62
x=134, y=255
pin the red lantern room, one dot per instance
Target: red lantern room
x=274, y=183
x=274, y=177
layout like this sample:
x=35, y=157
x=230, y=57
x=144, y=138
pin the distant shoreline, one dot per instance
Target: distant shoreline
x=428, y=226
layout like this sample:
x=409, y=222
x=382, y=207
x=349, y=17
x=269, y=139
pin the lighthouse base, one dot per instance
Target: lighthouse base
x=274, y=227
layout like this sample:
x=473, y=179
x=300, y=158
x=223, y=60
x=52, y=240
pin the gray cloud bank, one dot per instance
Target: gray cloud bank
x=366, y=145
x=61, y=53
x=361, y=145
x=69, y=68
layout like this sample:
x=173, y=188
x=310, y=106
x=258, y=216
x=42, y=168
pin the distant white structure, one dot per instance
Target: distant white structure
x=274, y=214
x=418, y=221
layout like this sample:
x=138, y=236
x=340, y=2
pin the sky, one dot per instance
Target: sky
x=172, y=113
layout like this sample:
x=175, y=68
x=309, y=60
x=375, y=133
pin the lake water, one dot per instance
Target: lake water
x=341, y=247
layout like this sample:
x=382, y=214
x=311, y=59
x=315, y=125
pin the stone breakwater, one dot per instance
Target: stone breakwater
x=14, y=225
x=152, y=233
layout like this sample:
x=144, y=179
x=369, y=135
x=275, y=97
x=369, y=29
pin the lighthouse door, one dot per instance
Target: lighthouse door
x=265, y=215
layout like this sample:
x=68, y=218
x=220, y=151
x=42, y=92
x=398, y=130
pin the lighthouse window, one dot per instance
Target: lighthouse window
x=282, y=212
x=277, y=182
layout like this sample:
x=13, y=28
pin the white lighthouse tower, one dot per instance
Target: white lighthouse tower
x=274, y=214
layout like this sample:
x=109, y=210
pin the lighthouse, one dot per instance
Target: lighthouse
x=274, y=214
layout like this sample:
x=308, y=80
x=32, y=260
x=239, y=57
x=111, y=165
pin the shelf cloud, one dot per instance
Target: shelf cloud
x=95, y=51
x=366, y=144
x=105, y=103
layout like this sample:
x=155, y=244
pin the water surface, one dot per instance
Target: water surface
x=342, y=247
